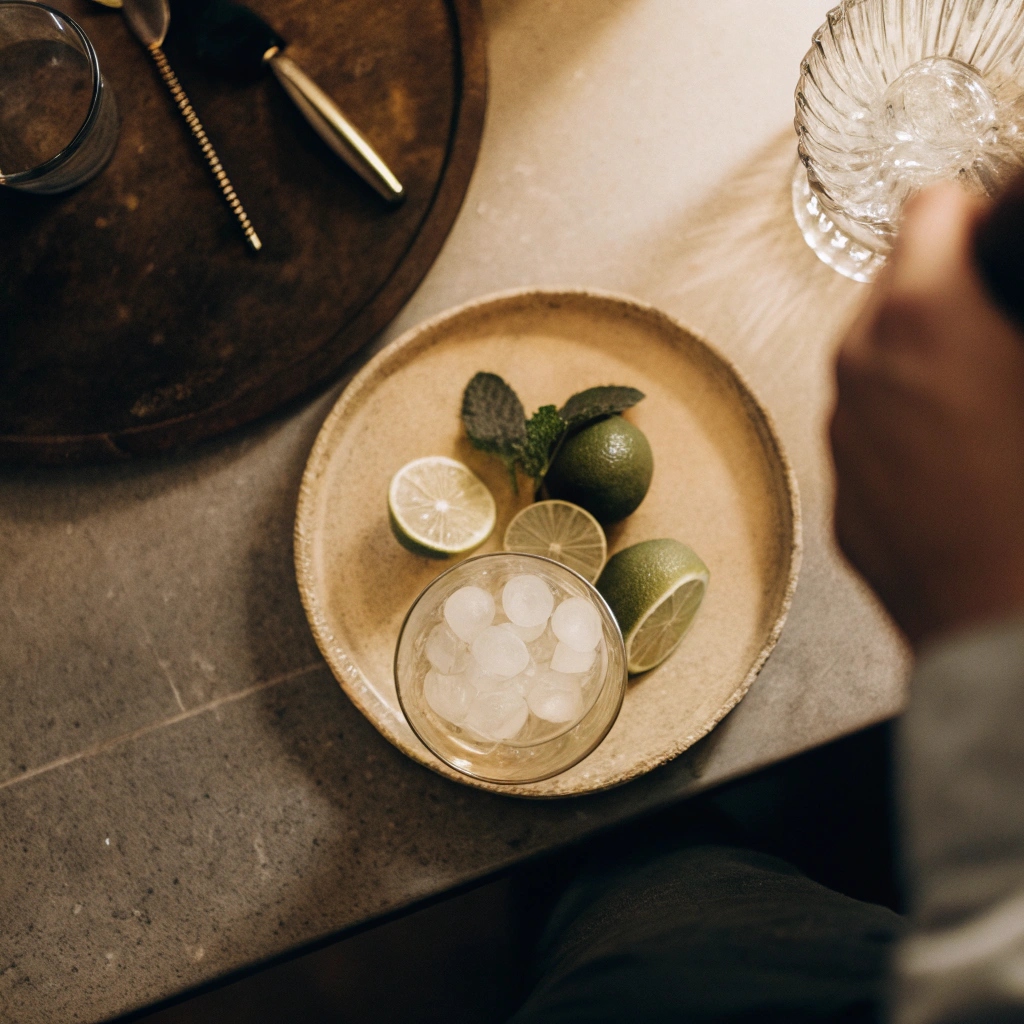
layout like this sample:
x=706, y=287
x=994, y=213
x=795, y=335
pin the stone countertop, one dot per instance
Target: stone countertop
x=184, y=789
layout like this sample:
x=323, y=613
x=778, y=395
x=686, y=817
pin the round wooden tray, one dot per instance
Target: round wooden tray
x=132, y=317
x=721, y=484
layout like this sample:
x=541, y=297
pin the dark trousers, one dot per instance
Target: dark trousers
x=708, y=933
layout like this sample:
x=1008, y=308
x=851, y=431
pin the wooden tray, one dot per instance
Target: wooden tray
x=133, y=319
x=721, y=484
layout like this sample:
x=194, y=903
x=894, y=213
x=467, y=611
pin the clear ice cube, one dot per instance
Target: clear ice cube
x=448, y=696
x=527, y=633
x=499, y=715
x=521, y=684
x=543, y=647
x=445, y=651
x=469, y=611
x=499, y=652
x=576, y=622
x=571, y=662
x=527, y=601
x=482, y=681
x=556, y=701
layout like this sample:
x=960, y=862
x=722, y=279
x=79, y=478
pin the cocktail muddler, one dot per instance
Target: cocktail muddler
x=230, y=38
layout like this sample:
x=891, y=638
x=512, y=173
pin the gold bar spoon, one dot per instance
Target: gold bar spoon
x=149, y=21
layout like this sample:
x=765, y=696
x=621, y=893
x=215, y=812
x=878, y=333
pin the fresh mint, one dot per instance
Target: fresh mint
x=544, y=430
x=594, y=403
x=496, y=422
x=494, y=419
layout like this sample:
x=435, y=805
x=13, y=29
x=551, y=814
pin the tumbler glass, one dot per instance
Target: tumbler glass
x=58, y=119
x=893, y=96
x=520, y=723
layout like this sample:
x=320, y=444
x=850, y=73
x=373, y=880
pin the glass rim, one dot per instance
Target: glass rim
x=32, y=173
x=595, y=593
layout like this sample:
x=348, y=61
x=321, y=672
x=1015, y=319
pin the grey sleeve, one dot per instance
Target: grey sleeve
x=961, y=772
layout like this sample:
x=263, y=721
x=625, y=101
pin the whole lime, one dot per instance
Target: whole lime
x=605, y=468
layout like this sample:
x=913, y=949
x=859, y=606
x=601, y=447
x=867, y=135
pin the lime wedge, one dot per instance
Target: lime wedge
x=654, y=589
x=440, y=508
x=561, y=531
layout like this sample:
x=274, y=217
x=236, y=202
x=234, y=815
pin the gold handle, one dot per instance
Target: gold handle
x=205, y=145
x=333, y=127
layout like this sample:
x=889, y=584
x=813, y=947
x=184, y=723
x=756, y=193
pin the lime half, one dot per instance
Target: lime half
x=439, y=507
x=561, y=531
x=654, y=589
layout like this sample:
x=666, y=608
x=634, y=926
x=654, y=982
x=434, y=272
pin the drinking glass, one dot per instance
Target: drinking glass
x=893, y=96
x=58, y=119
x=541, y=744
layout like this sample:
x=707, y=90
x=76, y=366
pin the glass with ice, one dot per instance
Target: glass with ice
x=510, y=668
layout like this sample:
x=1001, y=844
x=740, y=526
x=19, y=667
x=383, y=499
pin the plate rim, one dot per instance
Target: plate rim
x=351, y=678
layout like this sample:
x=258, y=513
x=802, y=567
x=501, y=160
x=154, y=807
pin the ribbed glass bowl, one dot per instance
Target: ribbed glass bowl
x=893, y=96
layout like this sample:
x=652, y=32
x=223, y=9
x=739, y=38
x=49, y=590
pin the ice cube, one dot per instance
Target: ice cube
x=485, y=683
x=521, y=684
x=499, y=652
x=571, y=662
x=527, y=601
x=445, y=651
x=527, y=633
x=556, y=701
x=499, y=715
x=576, y=622
x=469, y=611
x=448, y=696
x=543, y=647
x=479, y=679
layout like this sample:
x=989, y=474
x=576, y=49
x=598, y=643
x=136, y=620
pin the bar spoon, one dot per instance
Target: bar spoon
x=149, y=21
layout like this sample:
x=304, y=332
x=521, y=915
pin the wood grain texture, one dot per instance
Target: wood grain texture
x=132, y=318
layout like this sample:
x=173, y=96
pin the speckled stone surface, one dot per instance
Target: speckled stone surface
x=159, y=688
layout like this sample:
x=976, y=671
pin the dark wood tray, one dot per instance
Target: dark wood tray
x=133, y=320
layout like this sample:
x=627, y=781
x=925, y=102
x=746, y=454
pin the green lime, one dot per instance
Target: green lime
x=654, y=589
x=439, y=507
x=562, y=531
x=606, y=468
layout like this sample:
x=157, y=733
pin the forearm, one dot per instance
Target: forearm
x=961, y=759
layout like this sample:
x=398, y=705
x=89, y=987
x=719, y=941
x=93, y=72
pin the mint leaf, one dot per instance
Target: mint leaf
x=596, y=402
x=493, y=415
x=543, y=432
x=495, y=420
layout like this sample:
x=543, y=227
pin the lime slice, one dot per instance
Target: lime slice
x=562, y=531
x=654, y=589
x=439, y=507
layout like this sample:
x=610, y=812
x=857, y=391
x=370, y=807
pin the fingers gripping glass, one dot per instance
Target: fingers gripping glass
x=58, y=119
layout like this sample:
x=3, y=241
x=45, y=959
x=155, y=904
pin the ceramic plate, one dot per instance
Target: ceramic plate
x=722, y=484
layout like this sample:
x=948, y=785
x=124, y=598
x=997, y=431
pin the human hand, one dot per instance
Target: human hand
x=928, y=431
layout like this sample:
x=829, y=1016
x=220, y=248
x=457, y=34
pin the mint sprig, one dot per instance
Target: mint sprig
x=496, y=422
x=544, y=430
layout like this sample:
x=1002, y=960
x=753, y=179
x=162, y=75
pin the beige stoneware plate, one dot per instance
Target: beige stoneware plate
x=722, y=484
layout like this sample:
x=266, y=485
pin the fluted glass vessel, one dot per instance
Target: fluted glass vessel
x=895, y=95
